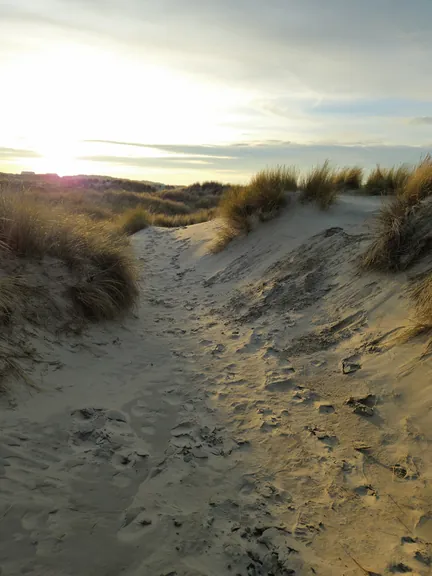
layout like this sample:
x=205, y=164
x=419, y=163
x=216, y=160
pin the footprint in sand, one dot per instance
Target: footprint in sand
x=183, y=429
x=324, y=408
x=105, y=436
x=136, y=524
x=368, y=493
x=279, y=385
x=304, y=396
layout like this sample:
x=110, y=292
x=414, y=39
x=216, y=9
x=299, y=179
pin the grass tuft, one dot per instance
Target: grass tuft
x=108, y=283
x=261, y=200
x=348, y=178
x=182, y=219
x=387, y=181
x=134, y=220
x=270, y=185
x=419, y=184
x=389, y=237
x=318, y=186
x=12, y=295
x=95, y=253
x=402, y=234
x=421, y=294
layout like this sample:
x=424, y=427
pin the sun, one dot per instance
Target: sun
x=56, y=155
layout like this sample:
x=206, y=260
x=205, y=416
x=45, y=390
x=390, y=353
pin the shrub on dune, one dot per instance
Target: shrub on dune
x=318, y=186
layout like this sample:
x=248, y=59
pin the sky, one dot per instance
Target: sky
x=177, y=91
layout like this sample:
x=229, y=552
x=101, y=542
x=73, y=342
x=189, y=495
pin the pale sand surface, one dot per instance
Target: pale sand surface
x=210, y=434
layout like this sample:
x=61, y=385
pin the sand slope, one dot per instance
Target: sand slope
x=211, y=434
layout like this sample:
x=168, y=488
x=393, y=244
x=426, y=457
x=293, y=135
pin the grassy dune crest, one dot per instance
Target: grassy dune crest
x=318, y=185
x=347, y=179
x=261, y=199
x=94, y=253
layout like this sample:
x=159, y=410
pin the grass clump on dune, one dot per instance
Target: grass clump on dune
x=348, y=178
x=421, y=294
x=390, y=234
x=387, y=181
x=261, y=199
x=102, y=270
x=402, y=234
x=270, y=185
x=419, y=184
x=106, y=285
x=134, y=220
x=318, y=186
x=182, y=219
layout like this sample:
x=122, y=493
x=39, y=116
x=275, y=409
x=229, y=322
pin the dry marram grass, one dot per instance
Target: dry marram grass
x=318, y=185
x=261, y=199
x=421, y=295
x=348, y=178
x=387, y=181
x=419, y=184
x=134, y=220
x=96, y=254
x=402, y=234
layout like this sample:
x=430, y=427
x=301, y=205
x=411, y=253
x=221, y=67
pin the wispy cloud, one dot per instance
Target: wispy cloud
x=259, y=82
x=422, y=121
x=16, y=153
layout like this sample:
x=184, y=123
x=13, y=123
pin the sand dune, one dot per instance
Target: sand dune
x=253, y=418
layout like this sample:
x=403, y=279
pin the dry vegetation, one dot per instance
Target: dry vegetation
x=348, y=179
x=318, y=185
x=261, y=200
x=419, y=184
x=387, y=181
x=402, y=229
x=125, y=203
x=403, y=234
x=102, y=272
x=66, y=259
x=58, y=269
x=79, y=225
x=421, y=295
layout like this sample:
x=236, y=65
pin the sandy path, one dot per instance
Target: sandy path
x=119, y=466
x=208, y=437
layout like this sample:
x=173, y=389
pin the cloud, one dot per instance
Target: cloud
x=422, y=121
x=199, y=151
x=332, y=47
x=230, y=163
x=14, y=153
x=244, y=160
x=287, y=71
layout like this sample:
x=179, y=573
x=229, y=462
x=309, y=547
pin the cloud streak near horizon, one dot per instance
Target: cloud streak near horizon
x=234, y=163
x=333, y=74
